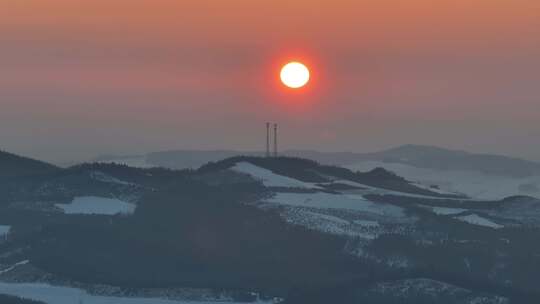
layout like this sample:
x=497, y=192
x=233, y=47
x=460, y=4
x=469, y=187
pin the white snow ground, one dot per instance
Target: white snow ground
x=367, y=223
x=326, y=217
x=471, y=183
x=269, y=178
x=97, y=205
x=10, y=268
x=434, y=189
x=365, y=189
x=340, y=214
x=105, y=178
x=336, y=201
x=67, y=295
x=331, y=224
x=446, y=211
x=475, y=219
x=402, y=289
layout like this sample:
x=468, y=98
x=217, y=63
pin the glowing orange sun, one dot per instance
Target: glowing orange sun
x=294, y=75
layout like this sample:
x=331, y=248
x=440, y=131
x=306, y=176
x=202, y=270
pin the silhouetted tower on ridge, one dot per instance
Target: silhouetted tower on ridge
x=267, y=139
x=275, y=141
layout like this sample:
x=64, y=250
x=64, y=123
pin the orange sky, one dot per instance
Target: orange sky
x=169, y=74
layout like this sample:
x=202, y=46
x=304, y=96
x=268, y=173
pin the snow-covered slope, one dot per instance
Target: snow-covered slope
x=475, y=219
x=335, y=201
x=67, y=295
x=446, y=210
x=97, y=205
x=269, y=178
x=340, y=214
x=105, y=178
x=430, y=291
x=324, y=208
x=332, y=224
x=474, y=184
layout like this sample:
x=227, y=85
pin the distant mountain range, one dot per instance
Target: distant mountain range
x=413, y=155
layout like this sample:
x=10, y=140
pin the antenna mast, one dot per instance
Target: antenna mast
x=275, y=141
x=267, y=139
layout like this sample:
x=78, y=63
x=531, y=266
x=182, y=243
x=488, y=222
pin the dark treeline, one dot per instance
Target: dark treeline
x=5, y=299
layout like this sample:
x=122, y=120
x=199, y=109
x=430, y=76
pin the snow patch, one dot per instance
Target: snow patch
x=269, y=178
x=102, y=177
x=445, y=210
x=474, y=184
x=365, y=189
x=97, y=205
x=347, y=183
x=336, y=201
x=328, y=223
x=67, y=295
x=10, y=268
x=475, y=219
x=327, y=217
x=433, y=290
x=434, y=188
x=367, y=223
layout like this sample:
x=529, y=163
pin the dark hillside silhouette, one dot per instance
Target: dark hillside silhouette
x=12, y=165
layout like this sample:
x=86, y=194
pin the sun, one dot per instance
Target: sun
x=294, y=75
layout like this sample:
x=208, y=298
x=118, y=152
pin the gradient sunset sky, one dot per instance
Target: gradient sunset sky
x=84, y=78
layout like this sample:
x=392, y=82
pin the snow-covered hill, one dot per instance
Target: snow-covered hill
x=480, y=176
x=474, y=184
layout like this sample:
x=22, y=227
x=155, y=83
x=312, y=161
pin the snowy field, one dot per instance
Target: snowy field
x=269, y=178
x=105, y=178
x=332, y=224
x=366, y=223
x=6, y=270
x=475, y=219
x=365, y=189
x=433, y=290
x=67, y=295
x=445, y=211
x=336, y=201
x=97, y=205
x=471, y=183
